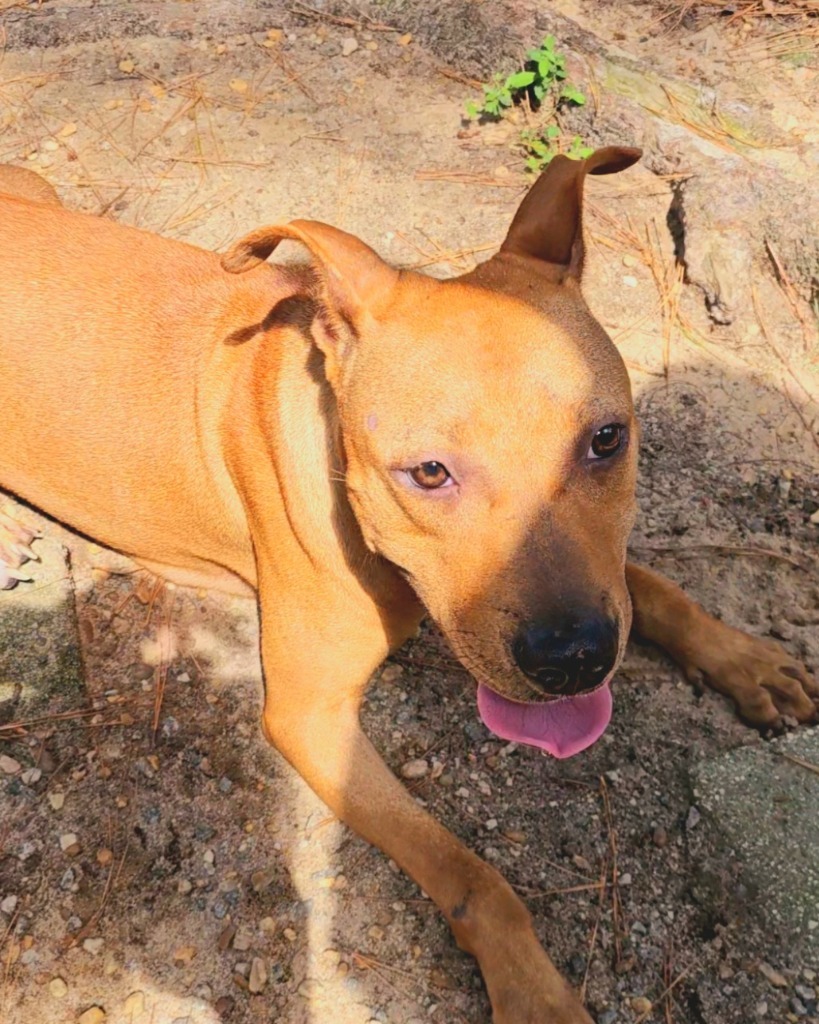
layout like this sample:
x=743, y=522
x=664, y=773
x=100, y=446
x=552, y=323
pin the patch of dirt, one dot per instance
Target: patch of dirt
x=204, y=121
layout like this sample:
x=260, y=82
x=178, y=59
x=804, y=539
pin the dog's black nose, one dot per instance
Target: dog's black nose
x=570, y=657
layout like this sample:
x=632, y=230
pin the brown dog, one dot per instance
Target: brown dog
x=355, y=443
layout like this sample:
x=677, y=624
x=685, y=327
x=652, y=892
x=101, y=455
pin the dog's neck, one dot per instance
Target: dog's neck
x=303, y=441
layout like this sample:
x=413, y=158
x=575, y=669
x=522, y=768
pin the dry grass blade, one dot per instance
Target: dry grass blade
x=383, y=971
x=60, y=716
x=456, y=76
x=113, y=876
x=466, y=178
x=599, y=916
x=161, y=673
x=667, y=991
x=566, y=890
x=617, y=926
x=454, y=256
x=789, y=291
x=788, y=368
x=703, y=550
x=668, y=978
x=364, y=22
x=741, y=9
x=712, y=125
x=807, y=765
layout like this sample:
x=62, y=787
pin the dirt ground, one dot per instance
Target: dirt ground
x=199, y=865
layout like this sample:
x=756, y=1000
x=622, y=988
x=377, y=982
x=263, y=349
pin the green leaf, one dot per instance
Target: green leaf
x=521, y=80
x=572, y=94
x=552, y=131
x=471, y=109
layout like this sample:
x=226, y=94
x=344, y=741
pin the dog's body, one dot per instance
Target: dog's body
x=343, y=440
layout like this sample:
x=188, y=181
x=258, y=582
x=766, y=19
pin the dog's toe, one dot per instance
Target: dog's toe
x=15, y=550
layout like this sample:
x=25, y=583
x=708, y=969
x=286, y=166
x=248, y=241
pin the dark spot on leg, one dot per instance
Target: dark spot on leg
x=459, y=911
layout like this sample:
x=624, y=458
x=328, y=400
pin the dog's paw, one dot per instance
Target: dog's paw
x=769, y=687
x=15, y=550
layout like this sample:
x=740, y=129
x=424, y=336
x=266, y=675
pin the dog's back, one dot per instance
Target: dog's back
x=118, y=334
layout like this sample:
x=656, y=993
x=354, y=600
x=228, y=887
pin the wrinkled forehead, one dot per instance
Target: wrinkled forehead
x=447, y=349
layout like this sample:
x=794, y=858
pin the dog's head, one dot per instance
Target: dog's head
x=491, y=451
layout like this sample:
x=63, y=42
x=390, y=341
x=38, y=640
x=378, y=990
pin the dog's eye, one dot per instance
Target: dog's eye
x=429, y=475
x=607, y=441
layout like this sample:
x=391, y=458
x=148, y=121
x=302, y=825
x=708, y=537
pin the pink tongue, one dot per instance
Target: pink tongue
x=562, y=727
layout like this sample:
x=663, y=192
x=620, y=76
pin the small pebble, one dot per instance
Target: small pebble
x=258, y=975
x=104, y=857
x=225, y=785
x=629, y=281
x=8, y=766
x=93, y=1015
x=224, y=1005
x=242, y=940
x=31, y=776
x=348, y=46
x=93, y=946
x=184, y=955
x=693, y=818
x=58, y=988
x=773, y=976
x=183, y=886
x=640, y=1004
x=260, y=880
x=68, y=841
x=56, y=800
x=225, y=937
x=660, y=837
x=392, y=673
x=415, y=769
x=309, y=988
x=134, y=1005
x=9, y=905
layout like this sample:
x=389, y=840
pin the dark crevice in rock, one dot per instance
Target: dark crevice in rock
x=675, y=221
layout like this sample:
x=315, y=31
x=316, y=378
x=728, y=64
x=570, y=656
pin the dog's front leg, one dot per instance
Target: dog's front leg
x=762, y=679
x=319, y=648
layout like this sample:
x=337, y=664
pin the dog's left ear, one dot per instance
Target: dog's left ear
x=354, y=282
x=548, y=226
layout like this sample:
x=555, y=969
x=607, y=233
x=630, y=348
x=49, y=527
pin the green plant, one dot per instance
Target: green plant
x=541, y=148
x=543, y=74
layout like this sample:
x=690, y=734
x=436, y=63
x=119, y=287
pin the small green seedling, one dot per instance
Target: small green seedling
x=541, y=149
x=543, y=74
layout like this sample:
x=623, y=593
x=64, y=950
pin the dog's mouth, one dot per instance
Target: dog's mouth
x=561, y=727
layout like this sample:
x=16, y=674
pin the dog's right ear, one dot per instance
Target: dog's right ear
x=354, y=282
x=548, y=227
